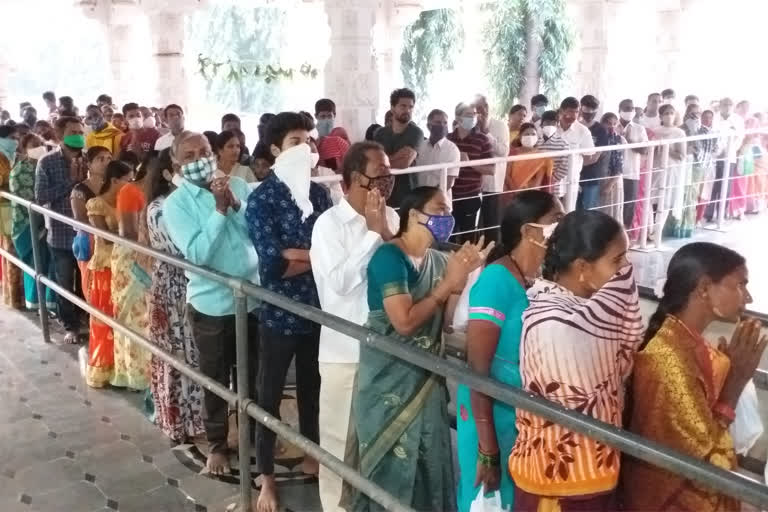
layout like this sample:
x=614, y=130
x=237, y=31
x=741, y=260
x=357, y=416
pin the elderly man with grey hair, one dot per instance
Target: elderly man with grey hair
x=205, y=217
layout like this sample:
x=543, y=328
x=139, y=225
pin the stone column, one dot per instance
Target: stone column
x=5, y=72
x=166, y=28
x=351, y=73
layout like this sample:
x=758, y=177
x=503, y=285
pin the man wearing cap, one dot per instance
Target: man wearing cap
x=57, y=173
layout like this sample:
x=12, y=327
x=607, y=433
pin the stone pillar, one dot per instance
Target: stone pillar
x=166, y=28
x=591, y=49
x=351, y=73
x=5, y=72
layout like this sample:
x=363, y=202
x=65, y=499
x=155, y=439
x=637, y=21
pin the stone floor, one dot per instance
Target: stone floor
x=67, y=448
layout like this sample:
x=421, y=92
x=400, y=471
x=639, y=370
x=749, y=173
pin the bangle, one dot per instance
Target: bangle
x=487, y=460
x=725, y=411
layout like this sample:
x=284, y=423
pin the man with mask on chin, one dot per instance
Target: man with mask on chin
x=140, y=139
x=205, y=218
x=281, y=214
x=437, y=149
x=174, y=118
x=401, y=140
x=57, y=173
x=343, y=241
x=102, y=133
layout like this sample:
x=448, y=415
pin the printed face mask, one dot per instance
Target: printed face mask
x=200, y=172
x=384, y=184
x=441, y=226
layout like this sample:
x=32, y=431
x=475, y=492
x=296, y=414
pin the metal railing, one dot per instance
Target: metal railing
x=652, y=452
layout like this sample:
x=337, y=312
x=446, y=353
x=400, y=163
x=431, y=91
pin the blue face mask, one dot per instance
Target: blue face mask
x=468, y=123
x=324, y=127
x=441, y=226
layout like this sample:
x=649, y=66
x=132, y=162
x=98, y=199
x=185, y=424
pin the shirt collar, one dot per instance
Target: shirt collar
x=346, y=212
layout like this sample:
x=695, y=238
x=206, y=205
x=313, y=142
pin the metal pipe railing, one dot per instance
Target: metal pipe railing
x=649, y=451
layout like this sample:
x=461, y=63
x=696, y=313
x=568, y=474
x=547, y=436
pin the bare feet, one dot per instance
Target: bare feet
x=267, y=500
x=218, y=464
x=309, y=466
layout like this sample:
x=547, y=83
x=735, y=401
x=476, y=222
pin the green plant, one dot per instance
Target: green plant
x=429, y=45
x=521, y=34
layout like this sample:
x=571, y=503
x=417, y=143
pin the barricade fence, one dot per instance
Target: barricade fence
x=654, y=453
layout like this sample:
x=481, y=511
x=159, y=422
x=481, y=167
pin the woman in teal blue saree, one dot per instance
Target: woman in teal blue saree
x=400, y=409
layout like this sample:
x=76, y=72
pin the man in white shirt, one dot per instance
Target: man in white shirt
x=633, y=133
x=343, y=240
x=651, y=118
x=437, y=150
x=730, y=126
x=493, y=186
x=577, y=136
x=174, y=118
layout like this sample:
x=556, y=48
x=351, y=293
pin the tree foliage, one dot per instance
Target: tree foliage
x=506, y=28
x=430, y=44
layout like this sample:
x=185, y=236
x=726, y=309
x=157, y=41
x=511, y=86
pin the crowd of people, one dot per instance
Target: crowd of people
x=552, y=302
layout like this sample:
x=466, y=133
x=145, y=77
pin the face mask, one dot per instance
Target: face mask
x=548, y=130
x=294, y=168
x=693, y=125
x=135, y=123
x=324, y=127
x=200, y=172
x=588, y=117
x=627, y=116
x=315, y=157
x=441, y=226
x=384, y=184
x=528, y=141
x=75, y=141
x=468, y=123
x=437, y=132
x=150, y=122
x=546, y=231
x=8, y=148
x=37, y=153
x=539, y=111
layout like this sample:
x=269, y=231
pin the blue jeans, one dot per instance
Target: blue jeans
x=589, y=197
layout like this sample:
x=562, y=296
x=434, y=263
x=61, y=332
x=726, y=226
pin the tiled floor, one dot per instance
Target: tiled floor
x=67, y=448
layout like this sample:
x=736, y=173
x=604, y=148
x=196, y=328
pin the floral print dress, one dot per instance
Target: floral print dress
x=177, y=399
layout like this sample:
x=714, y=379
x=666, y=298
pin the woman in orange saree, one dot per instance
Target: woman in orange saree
x=524, y=174
x=684, y=391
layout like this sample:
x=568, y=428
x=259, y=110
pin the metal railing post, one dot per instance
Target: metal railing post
x=646, y=179
x=661, y=208
x=444, y=180
x=726, y=178
x=37, y=258
x=572, y=186
x=243, y=398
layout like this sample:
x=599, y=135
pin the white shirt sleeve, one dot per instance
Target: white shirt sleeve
x=586, y=141
x=455, y=156
x=500, y=133
x=341, y=262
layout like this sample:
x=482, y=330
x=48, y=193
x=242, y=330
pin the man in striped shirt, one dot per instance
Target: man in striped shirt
x=550, y=140
x=473, y=145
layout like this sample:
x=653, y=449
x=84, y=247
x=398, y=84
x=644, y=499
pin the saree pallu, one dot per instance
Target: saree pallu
x=400, y=415
x=737, y=191
x=130, y=284
x=101, y=344
x=677, y=380
x=86, y=274
x=12, y=285
x=23, y=245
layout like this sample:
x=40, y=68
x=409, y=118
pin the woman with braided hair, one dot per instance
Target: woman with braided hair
x=684, y=391
x=579, y=338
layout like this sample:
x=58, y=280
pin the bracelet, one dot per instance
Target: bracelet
x=725, y=411
x=487, y=460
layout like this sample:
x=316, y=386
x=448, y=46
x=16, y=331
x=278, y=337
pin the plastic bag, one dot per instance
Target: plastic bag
x=490, y=503
x=461, y=313
x=747, y=428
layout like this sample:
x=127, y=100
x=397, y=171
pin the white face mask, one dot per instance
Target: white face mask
x=150, y=122
x=627, y=116
x=528, y=141
x=135, y=123
x=548, y=130
x=315, y=159
x=37, y=153
x=294, y=168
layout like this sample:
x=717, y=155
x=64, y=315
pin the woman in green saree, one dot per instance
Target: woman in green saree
x=22, y=183
x=400, y=409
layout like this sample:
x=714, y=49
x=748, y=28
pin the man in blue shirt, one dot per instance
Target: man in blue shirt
x=57, y=173
x=206, y=220
x=281, y=214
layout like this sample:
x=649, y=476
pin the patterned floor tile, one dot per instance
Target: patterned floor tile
x=78, y=496
x=49, y=475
